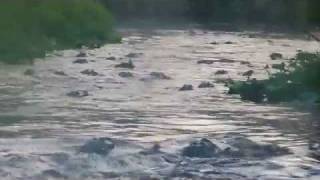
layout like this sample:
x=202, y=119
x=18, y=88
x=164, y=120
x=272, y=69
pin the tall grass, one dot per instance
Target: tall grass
x=31, y=28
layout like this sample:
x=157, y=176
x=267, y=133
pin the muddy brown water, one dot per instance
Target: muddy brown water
x=41, y=127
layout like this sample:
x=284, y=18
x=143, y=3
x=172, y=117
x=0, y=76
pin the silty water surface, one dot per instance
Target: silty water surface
x=41, y=127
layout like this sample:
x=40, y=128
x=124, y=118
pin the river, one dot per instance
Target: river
x=41, y=127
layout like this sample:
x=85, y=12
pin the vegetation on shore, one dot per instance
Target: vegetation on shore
x=297, y=80
x=31, y=28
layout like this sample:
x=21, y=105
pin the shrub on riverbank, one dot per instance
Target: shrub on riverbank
x=299, y=80
x=31, y=28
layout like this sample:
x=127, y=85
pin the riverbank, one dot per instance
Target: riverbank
x=31, y=29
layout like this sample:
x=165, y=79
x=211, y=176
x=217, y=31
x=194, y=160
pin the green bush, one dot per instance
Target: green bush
x=301, y=77
x=31, y=28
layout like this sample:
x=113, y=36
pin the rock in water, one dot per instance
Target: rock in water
x=80, y=61
x=29, y=72
x=81, y=54
x=100, y=146
x=201, y=149
x=89, y=72
x=53, y=173
x=247, y=148
x=159, y=75
x=229, y=42
x=276, y=56
x=186, y=87
x=112, y=58
x=206, y=62
x=78, y=94
x=59, y=73
x=126, y=74
x=221, y=72
x=133, y=55
x=128, y=65
x=206, y=85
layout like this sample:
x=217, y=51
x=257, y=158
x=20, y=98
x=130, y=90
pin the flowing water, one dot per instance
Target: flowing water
x=41, y=127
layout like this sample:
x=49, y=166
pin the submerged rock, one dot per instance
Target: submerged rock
x=276, y=56
x=89, y=72
x=201, y=149
x=29, y=72
x=59, y=73
x=79, y=93
x=128, y=65
x=53, y=173
x=281, y=67
x=221, y=72
x=229, y=42
x=245, y=63
x=133, y=55
x=244, y=147
x=126, y=74
x=80, y=61
x=154, y=150
x=100, y=146
x=248, y=74
x=159, y=75
x=112, y=58
x=206, y=85
x=214, y=43
x=186, y=87
x=224, y=60
x=206, y=62
x=81, y=54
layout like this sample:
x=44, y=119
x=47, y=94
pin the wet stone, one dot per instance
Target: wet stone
x=246, y=148
x=53, y=173
x=128, y=65
x=206, y=85
x=159, y=75
x=214, y=43
x=155, y=149
x=112, y=58
x=78, y=94
x=206, y=62
x=29, y=72
x=100, y=146
x=201, y=149
x=280, y=67
x=80, y=61
x=221, y=72
x=276, y=56
x=89, y=72
x=224, y=60
x=229, y=42
x=245, y=63
x=186, y=87
x=59, y=73
x=126, y=74
x=248, y=73
x=133, y=55
x=81, y=54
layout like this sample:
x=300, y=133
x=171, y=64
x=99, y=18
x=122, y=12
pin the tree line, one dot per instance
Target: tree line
x=246, y=11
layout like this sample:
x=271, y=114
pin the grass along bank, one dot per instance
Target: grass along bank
x=299, y=79
x=31, y=28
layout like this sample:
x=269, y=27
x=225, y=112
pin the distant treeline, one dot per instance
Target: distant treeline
x=247, y=11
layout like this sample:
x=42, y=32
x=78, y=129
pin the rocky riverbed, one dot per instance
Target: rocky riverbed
x=155, y=107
